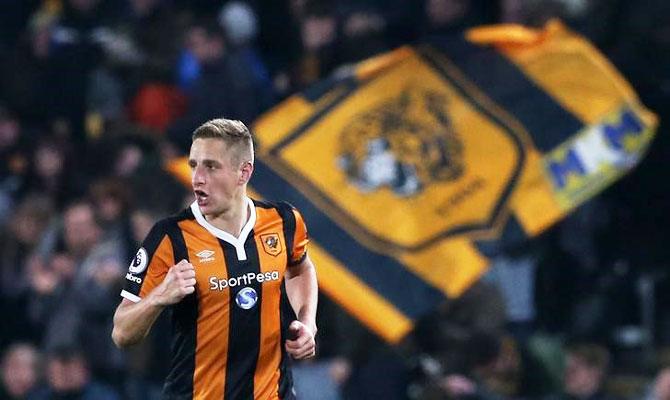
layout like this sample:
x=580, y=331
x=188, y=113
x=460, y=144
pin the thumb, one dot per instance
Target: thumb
x=294, y=329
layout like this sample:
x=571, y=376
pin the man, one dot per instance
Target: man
x=586, y=367
x=221, y=70
x=68, y=377
x=224, y=266
x=19, y=371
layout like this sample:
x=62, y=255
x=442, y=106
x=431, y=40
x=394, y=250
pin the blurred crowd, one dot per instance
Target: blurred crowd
x=96, y=95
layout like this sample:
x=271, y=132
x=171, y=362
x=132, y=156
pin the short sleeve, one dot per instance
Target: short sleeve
x=300, y=239
x=150, y=265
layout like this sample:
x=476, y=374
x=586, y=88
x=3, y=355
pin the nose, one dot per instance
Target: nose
x=198, y=177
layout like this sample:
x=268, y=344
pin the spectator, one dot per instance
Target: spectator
x=52, y=171
x=240, y=25
x=586, y=367
x=74, y=279
x=363, y=30
x=14, y=161
x=279, y=41
x=52, y=271
x=319, y=39
x=147, y=56
x=111, y=199
x=77, y=50
x=68, y=377
x=26, y=226
x=449, y=17
x=513, y=274
x=20, y=371
x=226, y=86
x=27, y=82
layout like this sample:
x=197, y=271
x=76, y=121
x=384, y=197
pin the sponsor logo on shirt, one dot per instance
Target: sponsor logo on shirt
x=215, y=283
x=246, y=298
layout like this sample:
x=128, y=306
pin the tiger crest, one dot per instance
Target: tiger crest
x=271, y=244
x=403, y=144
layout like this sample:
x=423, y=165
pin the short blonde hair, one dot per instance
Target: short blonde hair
x=234, y=133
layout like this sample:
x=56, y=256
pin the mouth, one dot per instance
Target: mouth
x=201, y=197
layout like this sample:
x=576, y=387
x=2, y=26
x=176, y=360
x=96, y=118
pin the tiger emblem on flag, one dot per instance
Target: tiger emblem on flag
x=403, y=144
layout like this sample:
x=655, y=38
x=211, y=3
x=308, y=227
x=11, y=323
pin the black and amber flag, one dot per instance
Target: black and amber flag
x=405, y=165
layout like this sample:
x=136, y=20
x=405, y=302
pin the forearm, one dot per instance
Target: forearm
x=133, y=321
x=302, y=290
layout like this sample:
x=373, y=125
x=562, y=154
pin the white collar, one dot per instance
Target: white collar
x=238, y=243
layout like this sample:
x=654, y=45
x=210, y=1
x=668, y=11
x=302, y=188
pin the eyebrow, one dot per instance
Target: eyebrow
x=207, y=161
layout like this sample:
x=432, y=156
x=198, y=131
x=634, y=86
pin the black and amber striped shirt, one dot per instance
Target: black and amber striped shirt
x=228, y=335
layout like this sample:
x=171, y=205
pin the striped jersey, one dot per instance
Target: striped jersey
x=227, y=336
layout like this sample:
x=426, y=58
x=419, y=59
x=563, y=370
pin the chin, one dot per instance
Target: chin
x=210, y=210
x=206, y=210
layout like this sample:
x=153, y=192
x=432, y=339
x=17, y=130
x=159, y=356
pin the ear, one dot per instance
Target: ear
x=245, y=172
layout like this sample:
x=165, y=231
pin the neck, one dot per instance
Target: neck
x=233, y=219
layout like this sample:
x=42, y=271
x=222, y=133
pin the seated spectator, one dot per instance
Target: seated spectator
x=586, y=366
x=68, y=377
x=20, y=373
x=17, y=241
x=75, y=281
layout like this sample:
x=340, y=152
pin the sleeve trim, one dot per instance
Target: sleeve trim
x=127, y=295
x=296, y=262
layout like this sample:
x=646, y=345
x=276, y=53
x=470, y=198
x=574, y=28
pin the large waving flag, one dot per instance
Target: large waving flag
x=409, y=164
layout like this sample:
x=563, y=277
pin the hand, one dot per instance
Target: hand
x=302, y=345
x=107, y=273
x=178, y=283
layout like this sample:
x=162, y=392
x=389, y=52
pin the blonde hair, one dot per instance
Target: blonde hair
x=234, y=133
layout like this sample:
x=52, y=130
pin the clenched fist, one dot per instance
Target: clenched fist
x=178, y=283
x=302, y=344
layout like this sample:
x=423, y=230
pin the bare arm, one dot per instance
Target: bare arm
x=132, y=321
x=302, y=290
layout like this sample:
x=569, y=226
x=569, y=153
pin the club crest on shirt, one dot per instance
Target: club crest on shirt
x=271, y=244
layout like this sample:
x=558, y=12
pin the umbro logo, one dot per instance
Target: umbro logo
x=206, y=256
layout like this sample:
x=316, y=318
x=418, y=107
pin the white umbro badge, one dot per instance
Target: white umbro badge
x=206, y=256
x=140, y=262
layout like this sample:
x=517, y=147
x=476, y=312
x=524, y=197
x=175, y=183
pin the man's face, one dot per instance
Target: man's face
x=581, y=380
x=67, y=375
x=81, y=229
x=19, y=372
x=216, y=176
x=204, y=47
